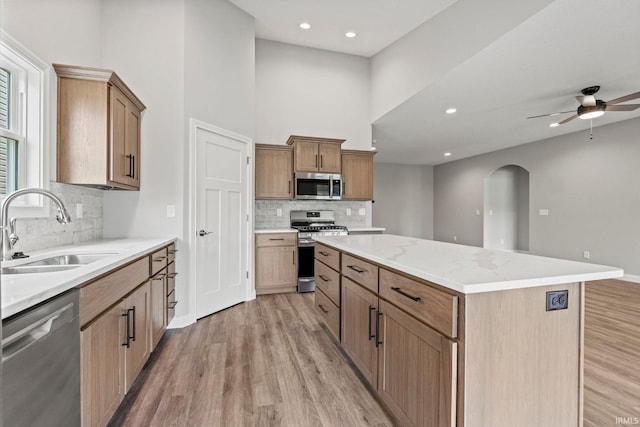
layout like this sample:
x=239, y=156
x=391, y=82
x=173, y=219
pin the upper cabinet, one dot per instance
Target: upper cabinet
x=357, y=175
x=274, y=171
x=313, y=154
x=98, y=140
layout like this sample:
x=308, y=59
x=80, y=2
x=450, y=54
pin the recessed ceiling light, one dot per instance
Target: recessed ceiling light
x=554, y=125
x=350, y=34
x=305, y=25
x=450, y=110
x=447, y=154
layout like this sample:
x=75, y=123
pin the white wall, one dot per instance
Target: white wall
x=590, y=188
x=403, y=199
x=311, y=92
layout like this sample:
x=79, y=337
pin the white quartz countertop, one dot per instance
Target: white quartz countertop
x=467, y=269
x=22, y=291
x=275, y=230
x=365, y=229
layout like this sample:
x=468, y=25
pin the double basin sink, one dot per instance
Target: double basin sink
x=55, y=263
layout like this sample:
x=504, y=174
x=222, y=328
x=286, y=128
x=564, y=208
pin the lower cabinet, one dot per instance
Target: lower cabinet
x=359, y=319
x=416, y=370
x=102, y=361
x=158, y=310
x=276, y=263
x=136, y=344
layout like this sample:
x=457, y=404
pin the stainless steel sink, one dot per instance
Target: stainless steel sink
x=55, y=263
x=74, y=259
x=30, y=269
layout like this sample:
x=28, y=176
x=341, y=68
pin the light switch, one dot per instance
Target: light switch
x=278, y=212
x=79, y=210
x=171, y=211
x=348, y=211
x=544, y=212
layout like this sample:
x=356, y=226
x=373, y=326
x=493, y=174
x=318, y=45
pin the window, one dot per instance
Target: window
x=24, y=113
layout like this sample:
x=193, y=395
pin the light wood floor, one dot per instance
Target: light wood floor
x=268, y=362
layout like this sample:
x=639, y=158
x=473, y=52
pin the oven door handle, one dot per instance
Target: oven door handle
x=305, y=243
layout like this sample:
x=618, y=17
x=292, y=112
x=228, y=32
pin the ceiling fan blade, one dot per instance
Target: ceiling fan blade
x=552, y=114
x=626, y=107
x=624, y=98
x=568, y=120
x=587, y=100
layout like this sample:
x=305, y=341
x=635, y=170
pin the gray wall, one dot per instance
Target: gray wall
x=590, y=187
x=403, y=199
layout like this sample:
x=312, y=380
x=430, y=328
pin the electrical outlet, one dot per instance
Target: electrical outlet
x=348, y=211
x=79, y=210
x=477, y=211
x=557, y=300
x=362, y=211
x=278, y=212
x=543, y=212
x=586, y=254
x=171, y=211
x=455, y=238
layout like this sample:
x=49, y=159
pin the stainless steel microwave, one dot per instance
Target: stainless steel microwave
x=318, y=186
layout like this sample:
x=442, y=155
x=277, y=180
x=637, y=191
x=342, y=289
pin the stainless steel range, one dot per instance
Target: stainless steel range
x=310, y=224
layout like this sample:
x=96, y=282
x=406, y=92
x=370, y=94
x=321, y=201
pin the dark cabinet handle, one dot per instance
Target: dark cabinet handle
x=324, y=278
x=378, y=342
x=355, y=268
x=172, y=275
x=324, y=310
x=133, y=169
x=321, y=156
x=289, y=186
x=159, y=276
x=323, y=253
x=130, y=157
x=159, y=259
x=173, y=251
x=316, y=160
x=173, y=305
x=127, y=344
x=134, y=323
x=398, y=290
x=293, y=257
x=371, y=309
x=281, y=238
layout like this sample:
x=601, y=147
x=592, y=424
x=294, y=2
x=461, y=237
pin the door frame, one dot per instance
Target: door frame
x=190, y=230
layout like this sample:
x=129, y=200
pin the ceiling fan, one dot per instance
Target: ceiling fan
x=590, y=107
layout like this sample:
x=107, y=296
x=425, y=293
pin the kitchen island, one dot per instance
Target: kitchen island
x=452, y=335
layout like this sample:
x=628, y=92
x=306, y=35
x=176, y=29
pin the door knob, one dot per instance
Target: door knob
x=204, y=233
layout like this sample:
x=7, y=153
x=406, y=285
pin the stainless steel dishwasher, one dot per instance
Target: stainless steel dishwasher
x=41, y=364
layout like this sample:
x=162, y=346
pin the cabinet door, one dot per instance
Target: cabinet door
x=274, y=173
x=357, y=176
x=330, y=158
x=275, y=269
x=359, y=311
x=306, y=156
x=102, y=364
x=158, y=308
x=124, y=141
x=137, y=353
x=417, y=370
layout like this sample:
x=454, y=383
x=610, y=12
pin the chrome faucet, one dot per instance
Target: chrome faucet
x=9, y=236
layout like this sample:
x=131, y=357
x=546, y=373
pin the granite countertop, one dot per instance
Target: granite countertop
x=22, y=291
x=467, y=269
x=275, y=230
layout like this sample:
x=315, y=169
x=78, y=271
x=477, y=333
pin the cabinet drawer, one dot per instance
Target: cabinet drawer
x=360, y=271
x=329, y=256
x=329, y=312
x=97, y=296
x=171, y=306
x=436, y=308
x=171, y=277
x=158, y=261
x=328, y=281
x=171, y=253
x=276, y=239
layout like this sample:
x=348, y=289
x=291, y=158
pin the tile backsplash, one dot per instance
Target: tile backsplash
x=266, y=212
x=42, y=233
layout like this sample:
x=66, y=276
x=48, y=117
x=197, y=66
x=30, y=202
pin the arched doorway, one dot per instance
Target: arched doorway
x=506, y=209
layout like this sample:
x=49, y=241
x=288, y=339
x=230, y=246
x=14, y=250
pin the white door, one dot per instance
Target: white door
x=221, y=220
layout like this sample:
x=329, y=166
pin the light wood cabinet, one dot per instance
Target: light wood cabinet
x=357, y=175
x=98, y=132
x=312, y=154
x=417, y=370
x=137, y=351
x=171, y=293
x=158, y=308
x=359, y=318
x=274, y=172
x=102, y=367
x=276, y=263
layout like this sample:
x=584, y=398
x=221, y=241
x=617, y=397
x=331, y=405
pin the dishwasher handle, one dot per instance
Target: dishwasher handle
x=21, y=340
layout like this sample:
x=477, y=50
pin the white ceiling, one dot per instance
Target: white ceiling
x=377, y=23
x=538, y=67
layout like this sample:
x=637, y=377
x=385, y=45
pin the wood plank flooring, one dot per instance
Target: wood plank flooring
x=267, y=362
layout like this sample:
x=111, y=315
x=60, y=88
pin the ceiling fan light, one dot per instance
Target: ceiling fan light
x=592, y=111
